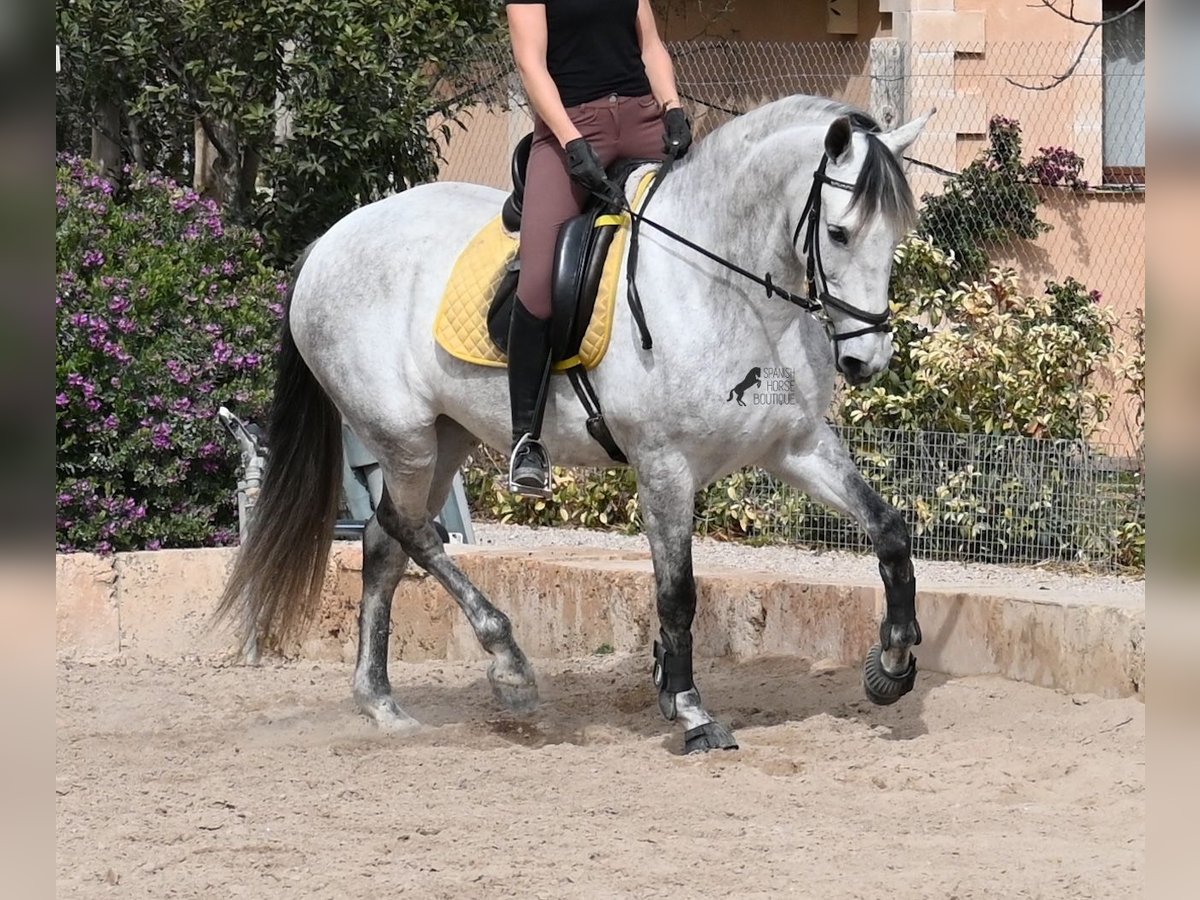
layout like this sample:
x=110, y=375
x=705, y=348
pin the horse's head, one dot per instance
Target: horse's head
x=859, y=208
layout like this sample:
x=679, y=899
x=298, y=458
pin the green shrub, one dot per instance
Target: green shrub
x=584, y=498
x=985, y=357
x=988, y=202
x=164, y=312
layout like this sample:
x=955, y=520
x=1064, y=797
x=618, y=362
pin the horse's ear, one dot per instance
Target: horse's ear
x=837, y=139
x=902, y=138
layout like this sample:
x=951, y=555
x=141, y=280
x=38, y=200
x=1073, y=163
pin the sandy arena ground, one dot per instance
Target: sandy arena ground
x=193, y=780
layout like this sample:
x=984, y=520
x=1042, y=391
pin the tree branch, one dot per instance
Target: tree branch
x=1071, y=17
x=189, y=95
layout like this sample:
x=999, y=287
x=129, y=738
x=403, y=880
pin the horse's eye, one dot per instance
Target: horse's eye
x=838, y=234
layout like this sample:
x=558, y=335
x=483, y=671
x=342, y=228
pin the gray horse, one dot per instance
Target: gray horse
x=804, y=188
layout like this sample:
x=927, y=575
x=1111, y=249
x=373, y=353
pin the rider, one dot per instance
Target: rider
x=602, y=87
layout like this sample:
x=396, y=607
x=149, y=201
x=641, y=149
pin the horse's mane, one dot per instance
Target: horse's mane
x=881, y=186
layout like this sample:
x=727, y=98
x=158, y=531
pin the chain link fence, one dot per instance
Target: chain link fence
x=1078, y=115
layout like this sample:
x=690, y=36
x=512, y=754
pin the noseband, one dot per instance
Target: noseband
x=821, y=300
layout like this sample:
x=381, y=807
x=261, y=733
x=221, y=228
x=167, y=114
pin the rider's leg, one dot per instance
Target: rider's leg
x=551, y=198
x=641, y=128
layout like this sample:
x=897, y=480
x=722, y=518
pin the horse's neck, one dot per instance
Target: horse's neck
x=744, y=207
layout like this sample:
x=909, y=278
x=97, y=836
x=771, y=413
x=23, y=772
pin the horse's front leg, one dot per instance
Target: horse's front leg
x=820, y=466
x=666, y=494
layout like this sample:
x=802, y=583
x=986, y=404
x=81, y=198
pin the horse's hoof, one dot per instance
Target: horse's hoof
x=516, y=691
x=386, y=713
x=882, y=688
x=709, y=736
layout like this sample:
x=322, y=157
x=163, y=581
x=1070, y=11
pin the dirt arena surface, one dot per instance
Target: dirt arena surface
x=196, y=780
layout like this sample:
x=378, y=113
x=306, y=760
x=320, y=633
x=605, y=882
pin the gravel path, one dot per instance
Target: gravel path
x=838, y=566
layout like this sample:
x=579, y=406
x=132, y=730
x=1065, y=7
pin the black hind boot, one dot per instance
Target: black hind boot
x=528, y=377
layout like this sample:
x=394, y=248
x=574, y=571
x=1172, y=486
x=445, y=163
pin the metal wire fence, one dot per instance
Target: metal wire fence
x=1072, y=120
x=986, y=498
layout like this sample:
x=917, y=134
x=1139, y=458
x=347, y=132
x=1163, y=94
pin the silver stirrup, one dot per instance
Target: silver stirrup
x=524, y=489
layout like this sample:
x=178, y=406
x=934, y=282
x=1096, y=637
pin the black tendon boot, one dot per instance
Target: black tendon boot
x=528, y=375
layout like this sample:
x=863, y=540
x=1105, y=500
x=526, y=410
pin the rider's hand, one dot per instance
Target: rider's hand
x=584, y=167
x=678, y=135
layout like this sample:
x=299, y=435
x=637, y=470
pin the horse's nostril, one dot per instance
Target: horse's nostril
x=852, y=367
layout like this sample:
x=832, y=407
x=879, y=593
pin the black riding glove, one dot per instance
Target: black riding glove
x=584, y=167
x=678, y=135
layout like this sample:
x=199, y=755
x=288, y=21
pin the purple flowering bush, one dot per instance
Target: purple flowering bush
x=1055, y=167
x=164, y=313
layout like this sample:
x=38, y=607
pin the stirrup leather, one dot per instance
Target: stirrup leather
x=542, y=491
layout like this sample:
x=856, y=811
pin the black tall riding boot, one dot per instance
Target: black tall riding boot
x=528, y=375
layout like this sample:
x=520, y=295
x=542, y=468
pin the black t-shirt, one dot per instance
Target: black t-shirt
x=592, y=49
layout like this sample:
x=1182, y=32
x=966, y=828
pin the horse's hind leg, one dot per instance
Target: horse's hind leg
x=384, y=562
x=666, y=493
x=820, y=466
x=415, y=489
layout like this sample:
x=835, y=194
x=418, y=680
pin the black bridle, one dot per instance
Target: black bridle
x=817, y=302
x=820, y=296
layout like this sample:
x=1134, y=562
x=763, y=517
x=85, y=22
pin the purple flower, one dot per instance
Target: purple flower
x=228, y=268
x=119, y=304
x=178, y=373
x=185, y=201
x=92, y=405
x=221, y=352
x=93, y=259
x=111, y=422
x=61, y=400
x=160, y=436
x=154, y=544
x=117, y=352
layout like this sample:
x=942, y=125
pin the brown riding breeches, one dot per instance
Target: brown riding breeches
x=616, y=127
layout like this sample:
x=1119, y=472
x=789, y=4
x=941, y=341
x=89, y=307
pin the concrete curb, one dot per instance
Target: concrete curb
x=571, y=601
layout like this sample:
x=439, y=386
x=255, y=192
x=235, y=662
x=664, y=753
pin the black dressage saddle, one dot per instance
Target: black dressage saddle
x=579, y=257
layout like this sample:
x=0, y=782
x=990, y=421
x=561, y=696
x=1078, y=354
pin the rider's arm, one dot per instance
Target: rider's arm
x=659, y=68
x=527, y=29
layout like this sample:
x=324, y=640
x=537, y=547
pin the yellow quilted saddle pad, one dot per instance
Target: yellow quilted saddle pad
x=461, y=324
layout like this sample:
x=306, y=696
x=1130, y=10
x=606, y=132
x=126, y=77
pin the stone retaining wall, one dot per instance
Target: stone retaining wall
x=570, y=602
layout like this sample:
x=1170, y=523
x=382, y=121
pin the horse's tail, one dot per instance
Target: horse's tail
x=731, y=393
x=275, y=585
